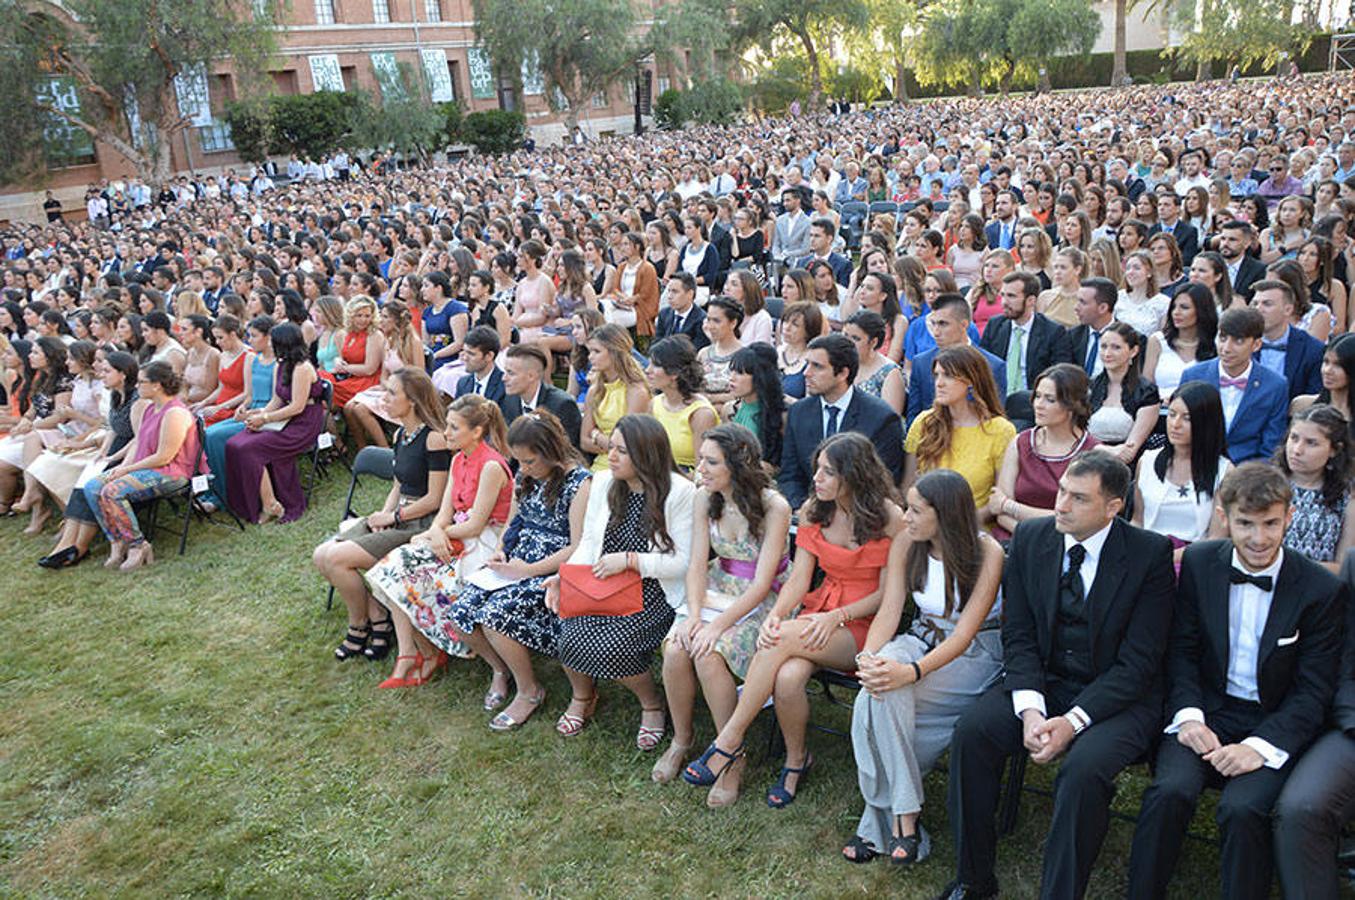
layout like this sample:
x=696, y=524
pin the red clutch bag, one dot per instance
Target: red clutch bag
x=584, y=594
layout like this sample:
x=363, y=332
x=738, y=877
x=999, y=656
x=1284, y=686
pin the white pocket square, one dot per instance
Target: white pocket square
x=1285, y=642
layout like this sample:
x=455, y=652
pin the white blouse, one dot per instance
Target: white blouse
x=1166, y=510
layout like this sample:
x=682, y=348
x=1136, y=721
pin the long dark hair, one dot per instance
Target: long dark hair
x=126, y=364
x=1206, y=321
x=289, y=346
x=652, y=456
x=1134, y=372
x=677, y=357
x=24, y=389
x=55, y=351
x=748, y=479
x=1223, y=292
x=759, y=361
x=869, y=485
x=1208, y=437
x=541, y=433
x=1343, y=348
x=1336, y=474
x=957, y=531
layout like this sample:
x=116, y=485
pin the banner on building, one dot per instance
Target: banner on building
x=533, y=81
x=190, y=86
x=325, y=72
x=437, y=75
x=387, y=71
x=62, y=139
x=481, y=72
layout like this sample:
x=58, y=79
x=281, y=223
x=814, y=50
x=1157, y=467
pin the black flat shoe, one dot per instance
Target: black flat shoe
x=73, y=560
x=62, y=559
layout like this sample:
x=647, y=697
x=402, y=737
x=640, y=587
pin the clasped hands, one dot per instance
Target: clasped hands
x=1229, y=760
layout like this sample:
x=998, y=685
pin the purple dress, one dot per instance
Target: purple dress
x=250, y=452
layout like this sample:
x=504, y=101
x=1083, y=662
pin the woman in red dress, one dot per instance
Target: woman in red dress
x=359, y=363
x=847, y=528
x=221, y=404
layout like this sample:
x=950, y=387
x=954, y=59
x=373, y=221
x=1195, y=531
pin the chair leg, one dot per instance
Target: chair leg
x=329, y=603
x=187, y=520
x=1010, y=805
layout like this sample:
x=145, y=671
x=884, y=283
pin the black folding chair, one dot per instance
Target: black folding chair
x=378, y=462
x=198, y=483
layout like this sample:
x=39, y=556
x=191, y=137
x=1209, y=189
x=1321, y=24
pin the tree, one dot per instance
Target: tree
x=1245, y=33
x=114, y=71
x=401, y=119
x=581, y=47
x=1040, y=30
x=495, y=130
x=803, y=22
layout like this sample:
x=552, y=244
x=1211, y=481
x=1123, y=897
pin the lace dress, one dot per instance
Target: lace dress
x=1316, y=529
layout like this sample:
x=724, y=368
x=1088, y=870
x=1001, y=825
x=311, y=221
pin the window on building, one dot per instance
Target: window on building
x=381, y=11
x=454, y=72
x=664, y=83
x=433, y=10
x=600, y=100
x=324, y=12
x=216, y=138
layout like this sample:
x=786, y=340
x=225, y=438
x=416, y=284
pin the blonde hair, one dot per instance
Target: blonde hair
x=618, y=343
x=1104, y=252
x=356, y=303
x=331, y=311
x=405, y=341
x=189, y=303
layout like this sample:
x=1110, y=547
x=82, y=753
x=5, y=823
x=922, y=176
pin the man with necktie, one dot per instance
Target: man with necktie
x=1251, y=666
x=1255, y=399
x=1001, y=232
x=1095, y=310
x=682, y=315
x=1028, y=341
x=482, y=375
x=1287, y=351
x=1087, y=608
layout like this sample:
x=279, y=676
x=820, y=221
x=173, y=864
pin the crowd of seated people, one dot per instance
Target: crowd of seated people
x=1055, y=458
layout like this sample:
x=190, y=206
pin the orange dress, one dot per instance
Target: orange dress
x=232, y=385
x=355, y=354
x=849, y=575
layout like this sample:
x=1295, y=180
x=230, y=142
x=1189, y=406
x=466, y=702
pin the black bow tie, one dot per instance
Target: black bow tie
x=1264, y=582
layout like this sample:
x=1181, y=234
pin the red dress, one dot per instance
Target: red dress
x=1037, y=476
x=232, y=386
x=849, y=575
x=355, y=354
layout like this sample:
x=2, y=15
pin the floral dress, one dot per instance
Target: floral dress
x=1316, y=529
x=519, y=610
x=731, y=571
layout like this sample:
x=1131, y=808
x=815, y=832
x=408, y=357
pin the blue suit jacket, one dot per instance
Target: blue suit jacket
x=1302, y=363
x=1261, y=419
x=493, y=388
x=841, y=266
x=922, y=387
x=993, y=232
x=866, y=414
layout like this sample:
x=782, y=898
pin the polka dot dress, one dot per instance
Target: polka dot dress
x=620, y=646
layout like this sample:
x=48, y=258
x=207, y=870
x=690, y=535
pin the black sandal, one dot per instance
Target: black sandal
x=862, y=852
x=909, y=845
x=358, y=636
x=379, y=641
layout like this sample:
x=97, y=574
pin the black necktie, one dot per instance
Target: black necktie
x=1264, y=582
x=1072, y=578
x=832, y=422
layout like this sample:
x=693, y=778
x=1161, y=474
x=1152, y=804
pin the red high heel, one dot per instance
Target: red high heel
x=406, y=680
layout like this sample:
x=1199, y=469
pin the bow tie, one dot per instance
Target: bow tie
x=1239, y=383
x=1275, y=345
x=1264, y=582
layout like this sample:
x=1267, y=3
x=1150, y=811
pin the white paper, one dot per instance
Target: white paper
x=489, y=580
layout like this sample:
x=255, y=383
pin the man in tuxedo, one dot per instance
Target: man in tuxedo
x=1087, y=599
x=948, y=323
x=1095, y=311
x=1001, y=232
x=482, y=376
x=821, y=235
x=1319, y=797
x=1287, y=351
x=1244, y=270
x=833, y=405
x=526, y=390
x=1255, y=399
x=1027, y=341
x=1251, y=666
x=682, y=316
x=1169, y=221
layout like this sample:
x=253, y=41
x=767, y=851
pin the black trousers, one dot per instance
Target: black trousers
x=1243, y=815
x=1317, y=801
x=990, y=732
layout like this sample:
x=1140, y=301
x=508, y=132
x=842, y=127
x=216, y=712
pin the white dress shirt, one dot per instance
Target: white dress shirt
x=841, y=405
x=1094, y=545
x=1232, y=396
x=1248, y=609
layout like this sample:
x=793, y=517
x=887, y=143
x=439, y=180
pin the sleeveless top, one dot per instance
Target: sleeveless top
x=437, y=328
x=120, y=422
x=327, y=352
x=413, y=462
x=932, y=621
x=1316, y=529
x=679, y=427
x=717, y=370
x=148, y=440
x=232, y=378
x=606, y=414
x=466, y=471
x=875, y=383
x=1037, y=475
x=261, y=381
x=1171, y=509
x=166, y=349
x=1170, y=367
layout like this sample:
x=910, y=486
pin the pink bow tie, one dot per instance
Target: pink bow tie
x=1240, y=383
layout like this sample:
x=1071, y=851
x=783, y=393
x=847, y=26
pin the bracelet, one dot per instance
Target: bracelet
x=917, y=672
x=397, y=521
x=842, y=621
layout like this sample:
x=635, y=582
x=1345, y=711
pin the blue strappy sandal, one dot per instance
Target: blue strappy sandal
x=778, y=797
x=699, y=771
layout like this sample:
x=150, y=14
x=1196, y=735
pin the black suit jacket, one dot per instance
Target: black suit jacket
x=549, y=398
x=1299, y=652
x=724, y=246
x=493, y=388
x=866, y=414
x=1251, y=271
x=1187, y=238
x=1129, y=611
x=691, y=326
x=1047, y=344
x=1343, y=706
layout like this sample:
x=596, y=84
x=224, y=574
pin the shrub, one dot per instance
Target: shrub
x=667, y=110
x=495, y=130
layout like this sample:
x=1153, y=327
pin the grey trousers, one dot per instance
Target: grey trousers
x=1316, y=802
x=897, y=737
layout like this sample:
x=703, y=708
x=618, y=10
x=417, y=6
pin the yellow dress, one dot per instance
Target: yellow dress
x=609, y=411
x=975, y=452
x=678, y=424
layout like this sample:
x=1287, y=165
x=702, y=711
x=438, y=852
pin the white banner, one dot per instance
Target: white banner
x=533, y=82
x=190, y=86
x=436, y=72
x=325, y=72
x=388, y=76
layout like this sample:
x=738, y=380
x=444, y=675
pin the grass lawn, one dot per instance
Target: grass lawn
x=186, y=731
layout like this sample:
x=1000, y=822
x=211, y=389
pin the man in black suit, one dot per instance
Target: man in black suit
x=1169, y=221
x=1319, y=797
x=1095, y=311
x=720, y=236
x=1087, y=601
x=482, y=376
x=833, y=405
x=682, y=316
x=1251, y=667
x=1029, y=342
x=526, y=390
x=1244, y=270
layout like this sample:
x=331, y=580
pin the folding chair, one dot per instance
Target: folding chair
x=318, y=466
x=378, y=462
x=198, y=483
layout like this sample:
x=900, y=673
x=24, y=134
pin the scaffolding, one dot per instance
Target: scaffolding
x=1342, y=52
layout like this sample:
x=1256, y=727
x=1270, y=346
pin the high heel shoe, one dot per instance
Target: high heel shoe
x=62, y=559
x=504, y=722
x=41, y=516
x=494, y=699
x=670, y=764
x=569, y=724
x=117, y=552
x=779, y=797
x=269, y=513
x=699, y=772
x=379, y=640
x=356, y=637
x=646, y=738
x=143, y=554
x=404, y=681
